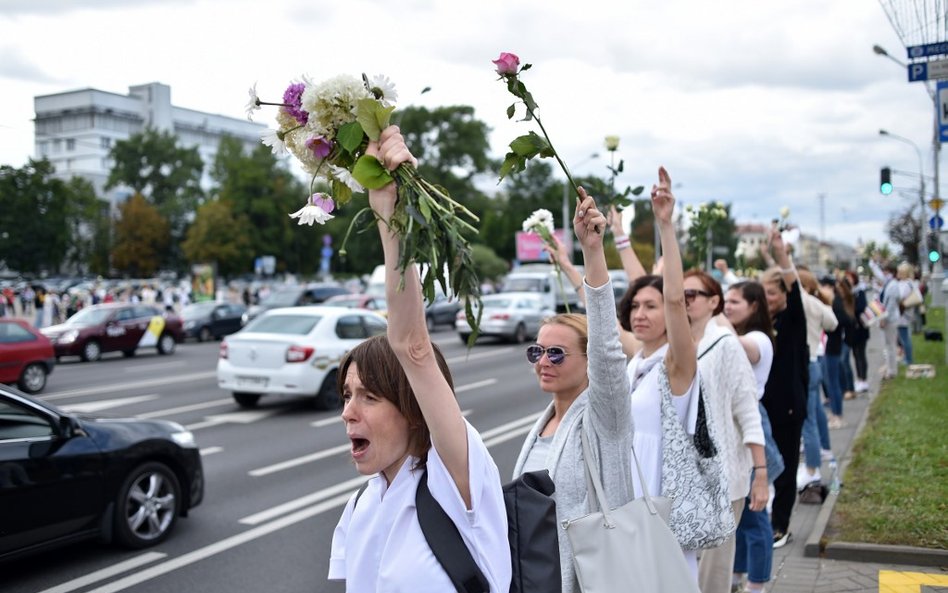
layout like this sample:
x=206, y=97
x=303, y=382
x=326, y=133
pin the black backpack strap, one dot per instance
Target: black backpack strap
x=714, y=343
x=445, y=542
x=359, y=493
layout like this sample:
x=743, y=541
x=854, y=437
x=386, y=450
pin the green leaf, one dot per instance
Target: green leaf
x=370, y=173
x=511, y=110
x=367, y=118
x=526, y=67
x=528, y=99
x=350, y=136
x=425, y=209
x=513, y=163
x=638, y=190
x=341, y=193
x=529, y=145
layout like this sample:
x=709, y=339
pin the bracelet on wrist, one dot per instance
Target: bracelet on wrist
x=789, y=270
x=764, y=467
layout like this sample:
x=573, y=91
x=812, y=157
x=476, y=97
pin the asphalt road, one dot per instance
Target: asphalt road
x=277, y=476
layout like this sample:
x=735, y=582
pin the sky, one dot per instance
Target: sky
x=762, y=105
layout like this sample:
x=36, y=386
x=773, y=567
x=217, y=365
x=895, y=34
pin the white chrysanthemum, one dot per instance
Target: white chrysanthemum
x=344, y=177
x=540, y=219
x=296, y=144
x=383, y=89
x=254, y=103
x=309, y=214
x=272, y=139
x=333, y=102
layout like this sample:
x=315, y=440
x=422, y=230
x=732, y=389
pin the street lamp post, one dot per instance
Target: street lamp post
x=567, y=228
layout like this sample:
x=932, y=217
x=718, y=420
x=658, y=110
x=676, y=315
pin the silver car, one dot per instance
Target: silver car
x=514, y=316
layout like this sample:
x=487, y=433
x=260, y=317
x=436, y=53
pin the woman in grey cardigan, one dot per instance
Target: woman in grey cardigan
x=590, y=392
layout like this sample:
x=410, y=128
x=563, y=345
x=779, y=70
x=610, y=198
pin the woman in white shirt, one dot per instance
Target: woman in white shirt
x=745, y=307
x=405, y=424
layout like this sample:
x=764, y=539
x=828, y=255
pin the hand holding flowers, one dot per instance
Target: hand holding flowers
x=540, y=223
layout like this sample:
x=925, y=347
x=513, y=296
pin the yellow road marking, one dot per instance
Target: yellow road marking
x=891, y=581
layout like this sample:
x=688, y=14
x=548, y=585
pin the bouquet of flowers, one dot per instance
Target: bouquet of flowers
x=327, y=127
x=540, y=223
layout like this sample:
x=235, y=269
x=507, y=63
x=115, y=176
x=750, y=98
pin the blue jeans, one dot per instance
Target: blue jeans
x=833, y=393
x=846, y=369
x=754, y=545
x=905, y=338
x=815, y=429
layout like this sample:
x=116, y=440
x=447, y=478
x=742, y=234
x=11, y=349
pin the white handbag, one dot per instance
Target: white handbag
x=629, y=548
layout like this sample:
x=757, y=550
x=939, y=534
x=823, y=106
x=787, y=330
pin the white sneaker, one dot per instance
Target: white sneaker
x=826, y=455
x=862, y=386
x=804, y=477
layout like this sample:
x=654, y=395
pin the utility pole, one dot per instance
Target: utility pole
x=822, y=198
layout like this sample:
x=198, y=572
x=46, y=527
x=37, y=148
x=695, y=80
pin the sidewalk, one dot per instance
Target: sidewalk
x=793, y=572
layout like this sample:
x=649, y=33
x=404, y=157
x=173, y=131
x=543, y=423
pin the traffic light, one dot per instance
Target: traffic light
x=885, y=181
x=934, y=251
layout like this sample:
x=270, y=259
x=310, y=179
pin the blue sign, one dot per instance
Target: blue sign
x=931, y=49
x=936, y=69
x=936, y=222
x=941, y=104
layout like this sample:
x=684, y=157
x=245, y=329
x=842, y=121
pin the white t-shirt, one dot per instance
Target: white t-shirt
x=762, y=368
x=378, y=546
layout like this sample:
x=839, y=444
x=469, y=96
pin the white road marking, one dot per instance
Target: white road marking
x=130, y=385
x=210, y=451
x=506, y=437
x=158, y=365
x=181, y=409
x=106, y=404
x=276, y=467
x=245, y=417
x=347, y=486
x=101, y=575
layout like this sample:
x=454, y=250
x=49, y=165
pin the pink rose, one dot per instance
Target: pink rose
x=507, y=63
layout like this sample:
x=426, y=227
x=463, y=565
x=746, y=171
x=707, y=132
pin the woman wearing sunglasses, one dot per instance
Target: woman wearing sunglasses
x=405, y=425
x=653, y=308
x=579, y=361
x=731, y=392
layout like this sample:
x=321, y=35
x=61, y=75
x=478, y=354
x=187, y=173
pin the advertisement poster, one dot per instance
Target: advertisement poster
x=202, y=282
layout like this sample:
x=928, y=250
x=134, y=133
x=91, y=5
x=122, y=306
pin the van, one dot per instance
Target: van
x=442, y=311
x=542, y=279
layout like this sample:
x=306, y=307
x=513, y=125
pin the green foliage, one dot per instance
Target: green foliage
x=895, y=486
x=370, y=173
x=488, y=264
x=88, y=226
x=373, y=117
x=141, y=236
x=715, y=217
x=218, y=236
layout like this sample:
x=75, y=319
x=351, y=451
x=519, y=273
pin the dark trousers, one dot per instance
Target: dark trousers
x=859, y=355
x=787, y=437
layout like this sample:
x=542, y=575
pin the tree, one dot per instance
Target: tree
x=905, y=230
x=218, y=236
x=167, y=175
x=141, y=236
x=711, y=227
x=88, y=227
x=34, y=234
x=490, y=267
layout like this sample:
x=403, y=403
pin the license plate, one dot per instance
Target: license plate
x=252, y=381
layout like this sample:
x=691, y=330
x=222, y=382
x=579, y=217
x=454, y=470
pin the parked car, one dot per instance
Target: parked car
x=293, y=351
x=359, y=301
x=115, y=327
x=211, y=320
x=513, y=316
x=557, y=292
x=67, y=477
x=443, y=311
x=26, y=355
x=294, y=296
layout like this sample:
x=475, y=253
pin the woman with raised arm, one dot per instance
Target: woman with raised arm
x=665, y=367
x=578, y=360
x=405, y=426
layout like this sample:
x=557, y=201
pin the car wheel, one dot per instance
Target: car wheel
x=147, y=505
x=246, y=400
x=520, y=334
x=128, y=353
x=327, y=398
x=91, y=352
x=464, y=338
x=33, y=378
x=430, y=322
x=166, y=344
x=205, y=335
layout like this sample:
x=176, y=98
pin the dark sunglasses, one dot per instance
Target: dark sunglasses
x=691, y=294
x=556, y=354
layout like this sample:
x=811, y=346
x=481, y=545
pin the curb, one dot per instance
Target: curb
x=817, y=544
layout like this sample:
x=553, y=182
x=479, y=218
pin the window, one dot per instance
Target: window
x=21, y=423
x=70, y=144
x=13, y=333
x=350, y=328
x=105, y=142
x=44, y=148
x=374, y=326
x=298, y=325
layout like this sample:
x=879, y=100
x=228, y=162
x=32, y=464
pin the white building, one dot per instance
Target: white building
x=76, y=130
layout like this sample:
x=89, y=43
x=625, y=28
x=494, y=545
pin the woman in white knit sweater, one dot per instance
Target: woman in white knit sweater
x=731, y=391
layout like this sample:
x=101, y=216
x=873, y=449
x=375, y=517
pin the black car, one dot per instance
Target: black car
x=442, y=311
x=211, y=320
x=66, y=477
x=295, y=296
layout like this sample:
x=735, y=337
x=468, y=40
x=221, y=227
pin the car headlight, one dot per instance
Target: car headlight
x=185, y=439
x=69, y=337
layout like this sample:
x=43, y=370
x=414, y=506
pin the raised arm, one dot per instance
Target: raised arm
x=681, y=360
x=407, y=331
x=782, y=259
x=630, y=261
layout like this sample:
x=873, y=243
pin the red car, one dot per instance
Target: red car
x=115, y=327
x=26, y=356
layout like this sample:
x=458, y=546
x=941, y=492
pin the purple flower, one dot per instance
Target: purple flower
x=323, y=202
x=320, y=146
x=292, y=100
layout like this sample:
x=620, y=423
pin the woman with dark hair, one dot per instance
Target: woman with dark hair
x=745, y=307
x=785, y=395
x=847, y=292
x=664, y=371
x=860, y=333
x=405, y=426
x=730, y=391
x=834, y=354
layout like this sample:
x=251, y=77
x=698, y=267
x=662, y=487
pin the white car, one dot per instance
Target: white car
x=293, y=351
x=512, y=316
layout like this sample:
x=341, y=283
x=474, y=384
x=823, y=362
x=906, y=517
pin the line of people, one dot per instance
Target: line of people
x=709, y=389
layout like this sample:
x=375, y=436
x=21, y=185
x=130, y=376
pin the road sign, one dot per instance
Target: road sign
x=942, y=106
x=931, y=49
x=934, y=70
x=936, y=203
x=936, y=222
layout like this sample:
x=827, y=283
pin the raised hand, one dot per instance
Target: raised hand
x=615, y=222
x=588, y=221
x=663, y=201
x=391, y=151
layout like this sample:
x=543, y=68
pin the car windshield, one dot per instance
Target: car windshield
x=297, y=325
x=197, y=310
x=497, y=303
x=90, y=317
x=282, y=298
x=523, y=285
